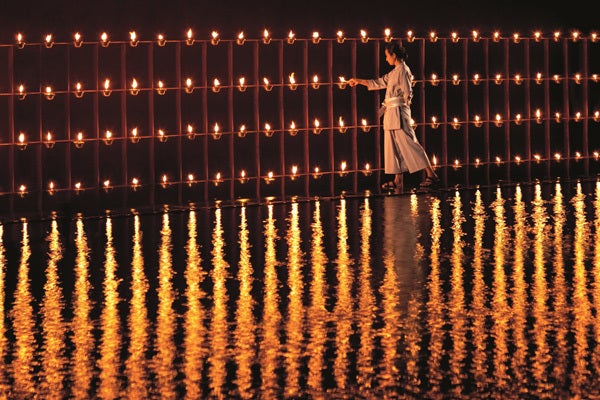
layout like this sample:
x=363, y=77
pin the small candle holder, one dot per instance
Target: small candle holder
x=189, y=40
x=316, y=173
x=49, y=142
x=161, y=90
x=49, y=42
x=243, y=178
x=364, y=126
x=269, y=178
x=78, y=143
x=77, y=41
x=367, y=171
x=108, y=138
x=160, y=40
x=240, y=40
x=293, y=130
x=49, y=93
x=291, y=38
x=214, y=39
x=455, y=124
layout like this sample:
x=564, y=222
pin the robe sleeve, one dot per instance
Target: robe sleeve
x=379, y=83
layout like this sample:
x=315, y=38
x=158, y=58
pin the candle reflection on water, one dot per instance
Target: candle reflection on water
x=136, y=365
x=366, y=304
x=294, y=327
x=520, y=306
x=558, y=292
x=164, y=346
x=456, y=300
x=109, y=385
x=388, y=372
x=413, y=327
x=52, y=373
x=83, y=340
x=245, y=324
x=342, y=313
x=479, y=293
x=317, y=312
x=435, y=305
x=596, y=283
x=500, y=312
x=269, y=342
x=218, y=331
x=23, y=326
x=193, y=327
x=511, y=312
x=582, y=318
x=539, y=294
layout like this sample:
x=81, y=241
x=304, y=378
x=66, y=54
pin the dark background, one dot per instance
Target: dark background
x=174, y=17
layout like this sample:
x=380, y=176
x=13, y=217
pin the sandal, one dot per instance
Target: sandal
x=430, y=182
x=391, y=185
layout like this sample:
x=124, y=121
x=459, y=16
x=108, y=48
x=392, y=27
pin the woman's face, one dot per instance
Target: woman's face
x=390, y=57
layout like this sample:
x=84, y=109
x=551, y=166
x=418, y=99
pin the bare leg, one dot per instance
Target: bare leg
x=399, y=181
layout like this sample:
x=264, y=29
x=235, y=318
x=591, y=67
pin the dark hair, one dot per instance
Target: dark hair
x=397, y=49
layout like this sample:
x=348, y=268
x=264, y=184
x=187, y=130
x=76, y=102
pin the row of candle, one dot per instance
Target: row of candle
x=340, y=37
x=134, y=88
x=293, y=129
x=295, y=173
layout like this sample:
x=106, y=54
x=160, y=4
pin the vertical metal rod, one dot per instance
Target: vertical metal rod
x=465, y=86
x=486, y=103
x=306, y=132
x=527, y=102
x=11, y=126
x=124, y=166
x=353, y=103
x=547, y=148
x=330, y=144
x=281, y=119
x=586, y=111
x=567, y=114
x=376, y=103
x=151, y=124
x=506, y=126
x=230, y=122
x=354, y=137
x=68, y=130
x=205, y=120
x=96, y=112
x=38, y=148
x=256, y=93
x=444, y=161
x=422, y=103
x=179, y=121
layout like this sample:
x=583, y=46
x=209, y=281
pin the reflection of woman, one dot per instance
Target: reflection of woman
x=401, y=149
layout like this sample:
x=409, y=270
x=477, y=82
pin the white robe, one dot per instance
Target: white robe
x=401, y=149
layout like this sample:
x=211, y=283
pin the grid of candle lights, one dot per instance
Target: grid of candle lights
x=134, y=86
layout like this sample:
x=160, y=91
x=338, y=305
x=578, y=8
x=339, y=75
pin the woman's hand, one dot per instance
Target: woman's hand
x=353, y=82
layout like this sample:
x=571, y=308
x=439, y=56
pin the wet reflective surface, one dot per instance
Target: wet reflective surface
x=469, y=294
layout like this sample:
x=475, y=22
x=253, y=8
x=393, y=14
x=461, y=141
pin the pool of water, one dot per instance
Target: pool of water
x=465, y=294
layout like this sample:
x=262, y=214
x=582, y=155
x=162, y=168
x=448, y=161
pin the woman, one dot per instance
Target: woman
x=401, y=149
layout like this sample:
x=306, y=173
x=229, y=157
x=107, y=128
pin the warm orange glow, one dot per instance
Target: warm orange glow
x=455, y=124
x=364, y=38
x=316, y=38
